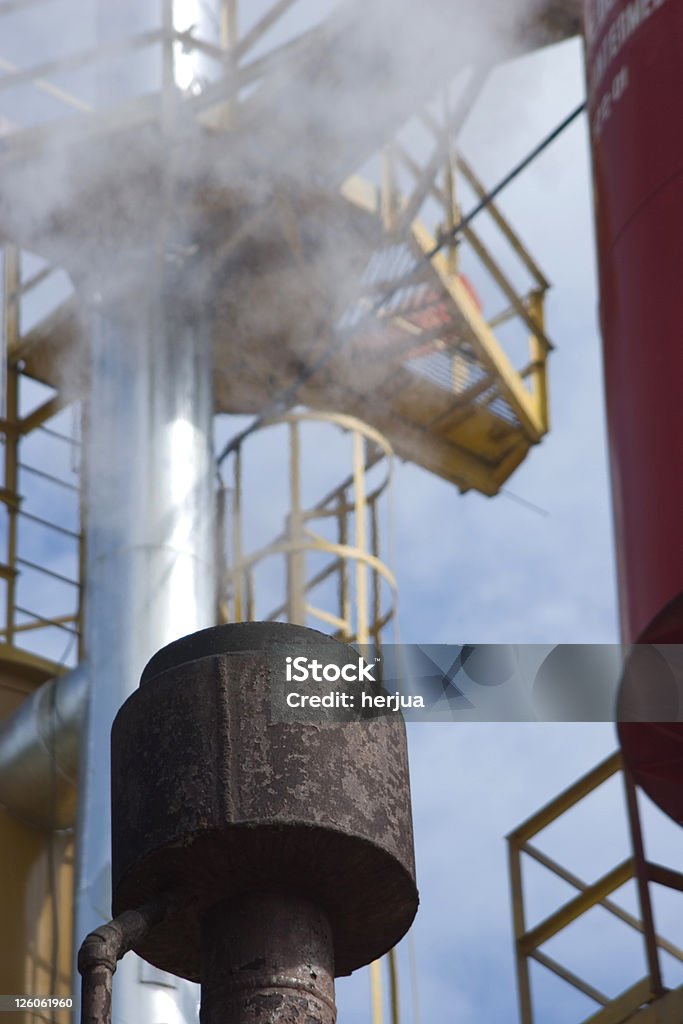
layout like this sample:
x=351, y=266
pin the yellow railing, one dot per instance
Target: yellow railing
x=365, y=589
x=25, y=495
x=649, y=991
x=468, y=367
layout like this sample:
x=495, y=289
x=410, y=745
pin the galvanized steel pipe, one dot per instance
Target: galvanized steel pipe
x=39, y=747
x=150, y=574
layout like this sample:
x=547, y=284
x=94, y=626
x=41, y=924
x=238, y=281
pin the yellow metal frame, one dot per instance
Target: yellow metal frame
x=648, y=994
x=467, y=440
x=354, y=506
x=24, y=626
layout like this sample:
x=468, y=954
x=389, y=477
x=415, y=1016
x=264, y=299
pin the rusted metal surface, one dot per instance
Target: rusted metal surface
x=96, y=995
x=268, y=957
x=102, y=949
x=209, y=796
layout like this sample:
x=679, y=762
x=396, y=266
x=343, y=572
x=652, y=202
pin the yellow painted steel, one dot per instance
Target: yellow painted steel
x=360, y=520
x=376, y=993
x=666, y=1010
x=23, y=629
x=296, y=602
x=377, y=990
x=645, y=1001
x=625, y=1006
x=566, y=800
x=36, y=877
x=460, y=432
x=36, y=890
x=352, y=505
x=36, y=866
x=585, y=901
x=480, y=333
x=394, y=987
x=538, y=347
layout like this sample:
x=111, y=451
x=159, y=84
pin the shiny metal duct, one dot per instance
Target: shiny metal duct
x=39, y=747
x=150, y=575
x=190, y=70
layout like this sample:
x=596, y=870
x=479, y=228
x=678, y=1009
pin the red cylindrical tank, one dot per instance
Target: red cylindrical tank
x=635, y=92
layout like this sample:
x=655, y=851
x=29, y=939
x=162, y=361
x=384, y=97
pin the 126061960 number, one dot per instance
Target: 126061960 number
x=36, y=1003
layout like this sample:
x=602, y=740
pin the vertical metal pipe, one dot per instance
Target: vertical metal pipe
x=538, y=352
x=228, y=39
x=388, y=191
x=150, y=564
x=360, y=513
x=11, y=331
x=174, y=66
x=376, y=995
x=344, y=588
x=267, y=957
x=96, y=995
x=168, y=76
x=523, y=979
x=239, y=575
x=376, y=578
x=394, y=989
x=296, y=566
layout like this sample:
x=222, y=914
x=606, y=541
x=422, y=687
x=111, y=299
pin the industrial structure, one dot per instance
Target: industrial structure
x=197, y=220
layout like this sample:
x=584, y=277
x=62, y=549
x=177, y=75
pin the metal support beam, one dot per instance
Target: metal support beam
x=641, y=876
x=10, y=332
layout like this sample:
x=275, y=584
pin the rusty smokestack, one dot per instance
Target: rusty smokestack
x=284, y=849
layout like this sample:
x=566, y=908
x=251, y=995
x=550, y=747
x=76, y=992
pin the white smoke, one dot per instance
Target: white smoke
x=249, y=203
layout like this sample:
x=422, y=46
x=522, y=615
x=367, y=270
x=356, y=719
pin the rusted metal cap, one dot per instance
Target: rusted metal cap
x=213, y=798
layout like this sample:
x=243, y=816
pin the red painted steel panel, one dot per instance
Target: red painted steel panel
x=635, y=85
x=635, y=76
